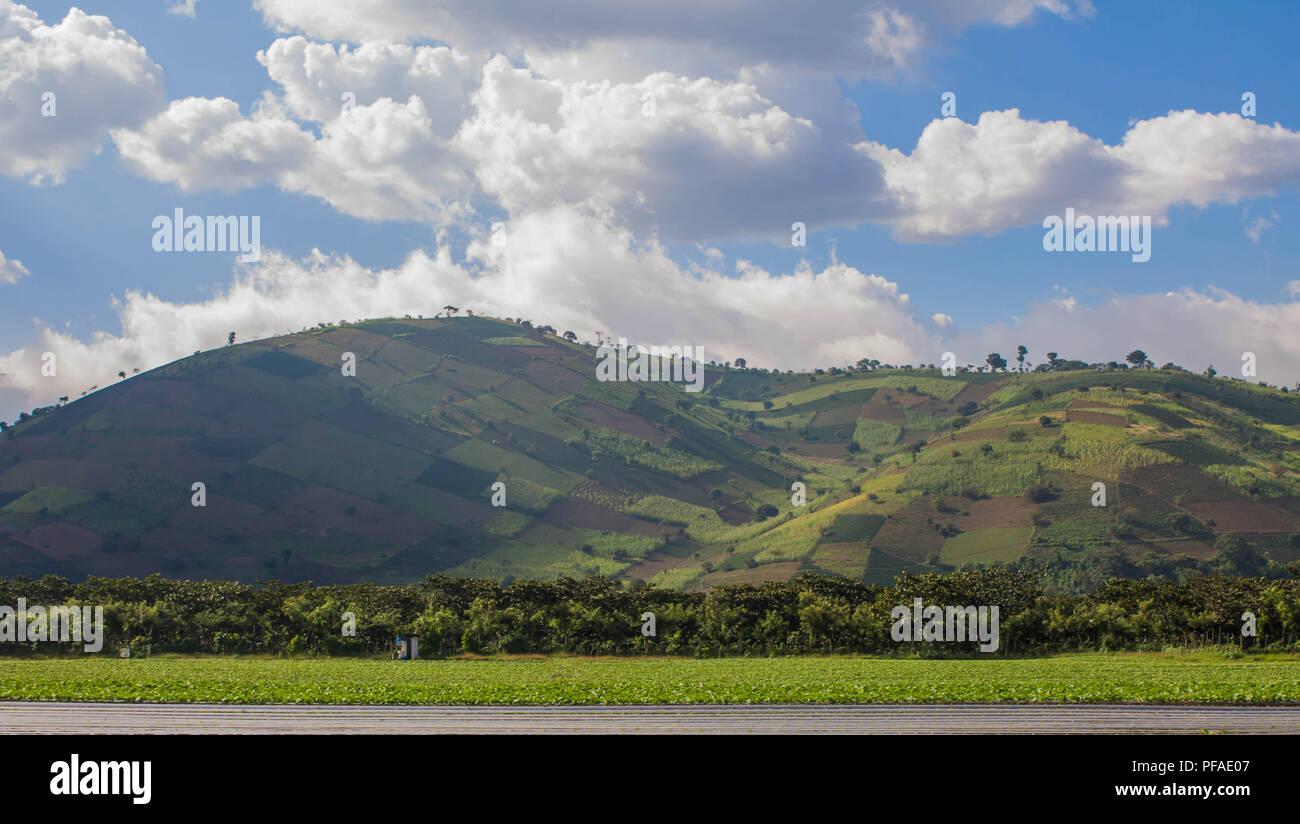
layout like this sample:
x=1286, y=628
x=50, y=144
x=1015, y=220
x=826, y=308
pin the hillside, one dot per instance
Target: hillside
x=387, y=475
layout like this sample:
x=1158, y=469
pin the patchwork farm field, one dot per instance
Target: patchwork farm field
x=1203, y=677
x=389, y=475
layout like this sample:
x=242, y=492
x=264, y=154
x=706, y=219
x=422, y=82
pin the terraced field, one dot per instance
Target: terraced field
x=393, y=473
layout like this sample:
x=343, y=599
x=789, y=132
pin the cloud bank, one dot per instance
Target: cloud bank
x=568, y=267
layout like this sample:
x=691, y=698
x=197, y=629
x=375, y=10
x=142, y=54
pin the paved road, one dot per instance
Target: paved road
x=78, y=718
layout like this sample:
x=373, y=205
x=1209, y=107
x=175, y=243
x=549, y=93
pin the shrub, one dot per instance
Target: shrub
x=1039, y=493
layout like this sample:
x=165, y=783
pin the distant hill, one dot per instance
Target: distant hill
x=387, y=475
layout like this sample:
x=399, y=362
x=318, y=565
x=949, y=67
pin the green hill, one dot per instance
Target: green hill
x=388, y=475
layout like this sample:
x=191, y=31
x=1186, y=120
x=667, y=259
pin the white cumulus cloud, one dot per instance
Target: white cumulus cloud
x=11, y=269
x=184, y=8
x=846, y=37
x=1005, y=171
x=316, y=76
x=380, y=161
x=64, y=86
x=694, y=159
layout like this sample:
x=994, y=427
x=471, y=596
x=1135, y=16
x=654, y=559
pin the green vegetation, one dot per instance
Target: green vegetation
x=873, y=433
x=814, y=614
x=50, y=498
x=528, y=496
x=854, y=527
x=943, y=388
x=508, y=523
x=792, y=540
x=618, y=545
x=673, y=462
x=513, y=340
x=489, y=457
x=386, y=476
x=701, y=523
x=1079, y=678
x=915, y=421
x=986, y=546
x=677, y=577
x=987, y=475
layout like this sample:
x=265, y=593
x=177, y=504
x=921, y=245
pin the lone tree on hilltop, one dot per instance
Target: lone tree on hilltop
x=996, y=361
x=230, y=339
x=1021, y=351
x=1137, y=357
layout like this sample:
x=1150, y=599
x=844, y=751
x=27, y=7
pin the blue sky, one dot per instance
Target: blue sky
x=84, y=241
x=1133, y=60
x=109, y=250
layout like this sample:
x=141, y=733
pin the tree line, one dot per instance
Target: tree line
x=813, y=614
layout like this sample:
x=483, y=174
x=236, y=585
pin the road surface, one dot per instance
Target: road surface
x=82, y=718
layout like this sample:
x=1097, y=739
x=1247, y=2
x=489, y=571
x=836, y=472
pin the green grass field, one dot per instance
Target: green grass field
x=986, y=546
x=1078, y=678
